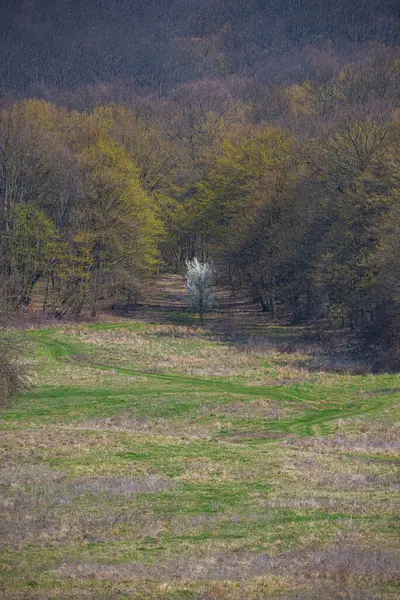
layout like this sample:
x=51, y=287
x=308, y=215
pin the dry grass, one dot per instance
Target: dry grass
x=340, y=563
x=167, y=351
x=365, y=437
x=149, y=462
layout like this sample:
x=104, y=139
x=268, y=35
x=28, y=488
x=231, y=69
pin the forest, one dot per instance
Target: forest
x=195, y=130
x=199, y=299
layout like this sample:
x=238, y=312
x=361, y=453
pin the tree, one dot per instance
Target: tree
x=117, y=225
x=199, y=278
x=354, y=179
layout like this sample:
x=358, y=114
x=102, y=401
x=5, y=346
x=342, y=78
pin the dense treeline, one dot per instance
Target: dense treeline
x=75, y=214
x=163, y=43
x=290, y=187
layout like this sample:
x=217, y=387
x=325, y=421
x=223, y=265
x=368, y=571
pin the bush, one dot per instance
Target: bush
x=13, y=375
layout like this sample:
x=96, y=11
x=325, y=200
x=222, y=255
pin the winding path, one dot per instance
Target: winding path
x=311, y=422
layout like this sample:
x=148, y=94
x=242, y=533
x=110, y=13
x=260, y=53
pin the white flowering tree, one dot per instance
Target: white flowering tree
x=199, y=280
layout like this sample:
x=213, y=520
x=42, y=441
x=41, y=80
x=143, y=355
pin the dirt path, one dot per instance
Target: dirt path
x=165, y=300
x=164, y=293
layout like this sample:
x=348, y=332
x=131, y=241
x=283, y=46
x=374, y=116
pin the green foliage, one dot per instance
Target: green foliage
x=84, y=225
x=26, y=252
x=300, y=212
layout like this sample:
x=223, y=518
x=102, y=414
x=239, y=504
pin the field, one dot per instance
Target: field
x=153, y=458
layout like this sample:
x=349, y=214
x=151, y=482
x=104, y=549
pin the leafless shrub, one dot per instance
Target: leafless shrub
x=13, y=372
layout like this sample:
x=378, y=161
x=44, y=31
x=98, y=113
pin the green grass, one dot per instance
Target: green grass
x=157, y=461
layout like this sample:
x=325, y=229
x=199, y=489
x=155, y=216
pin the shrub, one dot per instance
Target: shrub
x=13, y=375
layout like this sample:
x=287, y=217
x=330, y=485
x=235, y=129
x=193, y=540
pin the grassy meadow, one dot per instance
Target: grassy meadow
x=152, y=458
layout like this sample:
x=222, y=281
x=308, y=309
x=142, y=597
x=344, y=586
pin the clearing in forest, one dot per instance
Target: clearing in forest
x=153, y=458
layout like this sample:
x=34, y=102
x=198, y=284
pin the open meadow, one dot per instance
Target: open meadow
x=153, y=458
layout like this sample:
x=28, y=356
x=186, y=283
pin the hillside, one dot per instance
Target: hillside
x=153, y=458
x=161, y=44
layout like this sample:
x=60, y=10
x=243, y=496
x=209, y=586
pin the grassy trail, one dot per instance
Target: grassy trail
x=312, y=422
